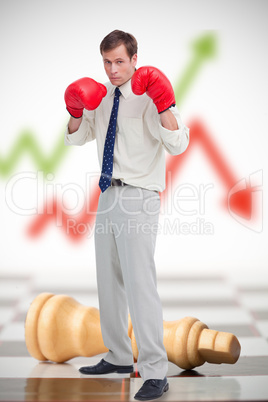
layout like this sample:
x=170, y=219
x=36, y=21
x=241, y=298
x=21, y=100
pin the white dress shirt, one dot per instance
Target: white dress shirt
x=141, y=140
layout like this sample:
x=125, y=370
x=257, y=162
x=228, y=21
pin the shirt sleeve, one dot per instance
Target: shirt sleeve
x=85, y=132
x=175, y=142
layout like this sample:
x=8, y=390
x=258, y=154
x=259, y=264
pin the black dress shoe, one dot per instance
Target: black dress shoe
x=104, y=367
x=152, y=389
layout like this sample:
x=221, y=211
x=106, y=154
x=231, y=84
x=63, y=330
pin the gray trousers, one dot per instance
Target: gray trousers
x=125, y=237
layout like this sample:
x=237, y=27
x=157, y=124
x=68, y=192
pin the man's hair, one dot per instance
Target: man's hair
x=117, y=38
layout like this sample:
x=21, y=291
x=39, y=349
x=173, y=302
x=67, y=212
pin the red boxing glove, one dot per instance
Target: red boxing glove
x=152, y=81
x=84, y=93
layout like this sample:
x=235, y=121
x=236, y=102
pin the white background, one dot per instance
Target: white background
x=47, y=45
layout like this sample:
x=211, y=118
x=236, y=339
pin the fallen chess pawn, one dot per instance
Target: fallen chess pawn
x=58, y=328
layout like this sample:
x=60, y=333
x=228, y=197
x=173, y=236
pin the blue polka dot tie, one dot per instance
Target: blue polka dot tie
x=108, y=153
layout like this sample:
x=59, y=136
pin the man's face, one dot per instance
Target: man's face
x=118, y=66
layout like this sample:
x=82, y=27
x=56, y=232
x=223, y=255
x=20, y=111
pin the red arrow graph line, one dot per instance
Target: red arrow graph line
x=241, y=201
x=199, y=137
x=77, y=227
x=74, y=226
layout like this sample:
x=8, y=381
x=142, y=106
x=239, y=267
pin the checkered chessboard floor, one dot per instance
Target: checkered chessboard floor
x=224, y=305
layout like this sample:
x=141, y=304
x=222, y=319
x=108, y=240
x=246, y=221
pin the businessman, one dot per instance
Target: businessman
x=134, y=120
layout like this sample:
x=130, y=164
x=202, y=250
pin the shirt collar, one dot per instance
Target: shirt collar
x=125, y=89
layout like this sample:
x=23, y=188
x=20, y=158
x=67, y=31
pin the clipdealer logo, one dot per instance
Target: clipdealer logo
x=245, y=204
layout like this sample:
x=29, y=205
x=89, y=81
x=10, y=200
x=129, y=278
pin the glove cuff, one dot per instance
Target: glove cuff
x=162, y=111
x=76, y=113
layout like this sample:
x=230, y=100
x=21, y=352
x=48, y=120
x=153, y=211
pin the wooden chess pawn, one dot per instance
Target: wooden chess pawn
x=58, y=328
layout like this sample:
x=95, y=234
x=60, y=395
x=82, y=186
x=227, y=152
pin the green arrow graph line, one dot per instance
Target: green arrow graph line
x=204, y=48
x=27, y=143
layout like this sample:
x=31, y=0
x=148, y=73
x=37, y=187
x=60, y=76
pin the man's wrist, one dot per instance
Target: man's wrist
x=168, y=120
x=74, y=124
